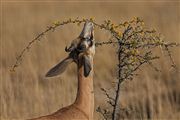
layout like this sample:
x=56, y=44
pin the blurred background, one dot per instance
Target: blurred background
x=27, y=94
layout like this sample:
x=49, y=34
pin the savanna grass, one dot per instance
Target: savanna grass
x=136, y=44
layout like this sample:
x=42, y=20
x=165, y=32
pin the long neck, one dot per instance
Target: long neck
x=85, y=93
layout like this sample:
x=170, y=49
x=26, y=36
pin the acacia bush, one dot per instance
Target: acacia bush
x=136, y=47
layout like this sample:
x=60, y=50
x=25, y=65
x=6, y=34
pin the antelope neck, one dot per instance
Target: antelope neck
x=85, y=93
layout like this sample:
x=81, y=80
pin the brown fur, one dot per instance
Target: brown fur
x=83, y=107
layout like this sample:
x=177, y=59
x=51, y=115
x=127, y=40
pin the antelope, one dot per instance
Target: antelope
x=81, y=51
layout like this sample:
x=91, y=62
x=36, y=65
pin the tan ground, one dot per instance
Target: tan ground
x=26, y=93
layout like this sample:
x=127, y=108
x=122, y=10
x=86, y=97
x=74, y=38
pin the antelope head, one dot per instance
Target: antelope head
x=82, y=48
x=83, y=41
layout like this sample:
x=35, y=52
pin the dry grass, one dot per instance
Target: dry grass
x=26, y=93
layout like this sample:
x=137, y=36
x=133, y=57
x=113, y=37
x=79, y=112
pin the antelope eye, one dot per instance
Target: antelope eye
x=89, y=42
x=81, y=47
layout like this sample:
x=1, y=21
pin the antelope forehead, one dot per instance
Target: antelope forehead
x=86, y=41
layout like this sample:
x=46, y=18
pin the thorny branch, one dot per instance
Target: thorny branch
x=136, y=45
x=39, y=37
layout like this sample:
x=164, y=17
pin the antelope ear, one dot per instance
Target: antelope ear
x=87, y=65
x=69, y=49
x=59, y=68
